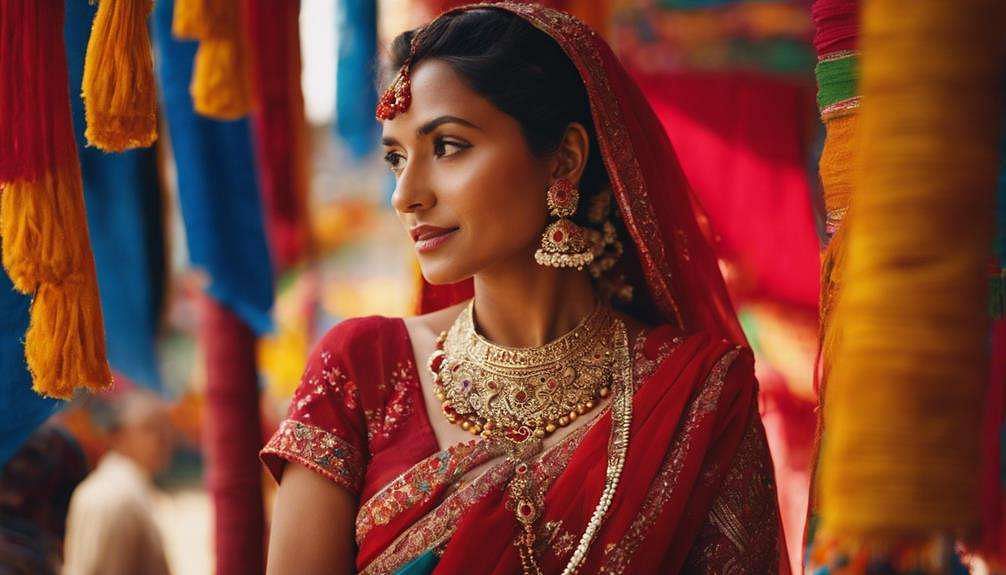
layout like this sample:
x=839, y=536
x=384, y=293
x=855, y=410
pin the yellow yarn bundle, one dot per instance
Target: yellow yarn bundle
x=120, y=97
x=220, y=86
x=46, y=251
x=903, y=406
x=836, y=168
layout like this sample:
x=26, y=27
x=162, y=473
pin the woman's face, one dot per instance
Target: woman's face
x=469, y=191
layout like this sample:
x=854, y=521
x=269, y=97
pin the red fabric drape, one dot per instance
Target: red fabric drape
x=278, y=120
x=232, y=438
x=742, y=140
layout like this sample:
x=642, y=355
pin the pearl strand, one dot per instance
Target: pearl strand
x=620, y=444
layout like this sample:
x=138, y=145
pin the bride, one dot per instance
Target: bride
x=578, y=397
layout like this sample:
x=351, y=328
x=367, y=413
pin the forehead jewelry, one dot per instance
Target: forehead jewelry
x=398, y=96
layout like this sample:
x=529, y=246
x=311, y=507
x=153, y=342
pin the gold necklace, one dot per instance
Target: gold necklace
x=593, y=360
x=520, y=394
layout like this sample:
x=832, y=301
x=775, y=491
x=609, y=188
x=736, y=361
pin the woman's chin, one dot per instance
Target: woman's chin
x=438, y=274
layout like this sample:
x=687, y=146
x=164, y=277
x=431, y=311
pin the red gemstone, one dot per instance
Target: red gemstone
x=525, y=510
x=557, y=236
x=520, y=396
x=437, y=362
x=551, y=383
x=518, y=435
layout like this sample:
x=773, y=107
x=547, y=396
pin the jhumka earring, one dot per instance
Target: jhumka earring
x=564, y=243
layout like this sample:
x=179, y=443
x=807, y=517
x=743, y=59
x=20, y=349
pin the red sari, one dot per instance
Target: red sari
x=697, y=493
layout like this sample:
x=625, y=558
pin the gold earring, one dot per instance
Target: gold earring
x=565, y=244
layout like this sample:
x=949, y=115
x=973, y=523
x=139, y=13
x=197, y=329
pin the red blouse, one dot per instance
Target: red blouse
x=358, y=417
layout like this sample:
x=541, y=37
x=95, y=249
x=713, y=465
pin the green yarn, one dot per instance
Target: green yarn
x=836, y=80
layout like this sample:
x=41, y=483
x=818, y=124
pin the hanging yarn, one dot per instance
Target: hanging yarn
x=837, y=72
x=120, y=97
x=220, y=84
x=836, y=168
x=45, y=244
x=33, y=93
x=190, y=19
x=836, y=25
x=903, y=406
x=280, y=129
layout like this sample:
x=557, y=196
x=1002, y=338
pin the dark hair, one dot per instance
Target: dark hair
x=518, y=68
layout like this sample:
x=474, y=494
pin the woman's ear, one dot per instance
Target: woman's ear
x=571, y=156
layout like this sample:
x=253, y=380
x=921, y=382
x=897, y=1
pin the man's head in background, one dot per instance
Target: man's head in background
x=138, y=426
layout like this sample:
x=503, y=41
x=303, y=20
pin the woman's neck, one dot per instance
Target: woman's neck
x=532, y=305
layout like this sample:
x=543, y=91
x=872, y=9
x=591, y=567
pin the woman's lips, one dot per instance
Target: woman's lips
x=429, y=238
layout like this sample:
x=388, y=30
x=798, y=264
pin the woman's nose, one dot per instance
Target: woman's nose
x=412, y=193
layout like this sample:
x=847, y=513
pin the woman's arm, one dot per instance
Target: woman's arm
x=312, y=526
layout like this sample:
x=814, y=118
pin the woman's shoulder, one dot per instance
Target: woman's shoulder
x=362, y=338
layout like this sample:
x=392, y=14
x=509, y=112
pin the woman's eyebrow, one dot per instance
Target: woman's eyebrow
x=432, y=124
x=428, y=127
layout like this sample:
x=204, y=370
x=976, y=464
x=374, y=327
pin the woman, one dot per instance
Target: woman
x=591, y=408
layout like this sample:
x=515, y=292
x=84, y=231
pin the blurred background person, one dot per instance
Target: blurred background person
x=111, y=528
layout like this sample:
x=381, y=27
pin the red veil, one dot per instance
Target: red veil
x=668, y=255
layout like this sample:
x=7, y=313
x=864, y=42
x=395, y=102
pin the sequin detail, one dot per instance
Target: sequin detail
x=382, y=422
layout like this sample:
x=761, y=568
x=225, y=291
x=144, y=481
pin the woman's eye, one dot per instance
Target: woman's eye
x=443, y=148
x=394, y=161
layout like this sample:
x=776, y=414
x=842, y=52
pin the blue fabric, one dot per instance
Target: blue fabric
x=21, y=409
x=422, y=565
x=125, y=223
x=356, y=92
x=217, y=187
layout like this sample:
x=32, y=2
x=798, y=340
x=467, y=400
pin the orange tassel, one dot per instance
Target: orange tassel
x=189, y=21
x=62, y=345
x=46, y=250
x=220, y=87
x=120, y=98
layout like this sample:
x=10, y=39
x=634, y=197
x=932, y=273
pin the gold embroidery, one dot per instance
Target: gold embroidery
x=418, y=483
x=319, y=450
x=437, y=527
x=741, y=533
x=618, y=556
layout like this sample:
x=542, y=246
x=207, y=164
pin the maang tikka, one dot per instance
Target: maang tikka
x=565, y=244
x=398, y=97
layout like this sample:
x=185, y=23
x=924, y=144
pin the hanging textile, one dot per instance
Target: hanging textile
x=232, y=435
x=904, y=397
x=356, y=91
x=837, y=71
x=279, y=126
x=46, y=249
x=223, y=217
x=220, y=84
x=124, y=211
x=118, y=78
x=217, y=188
x=22, y=410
